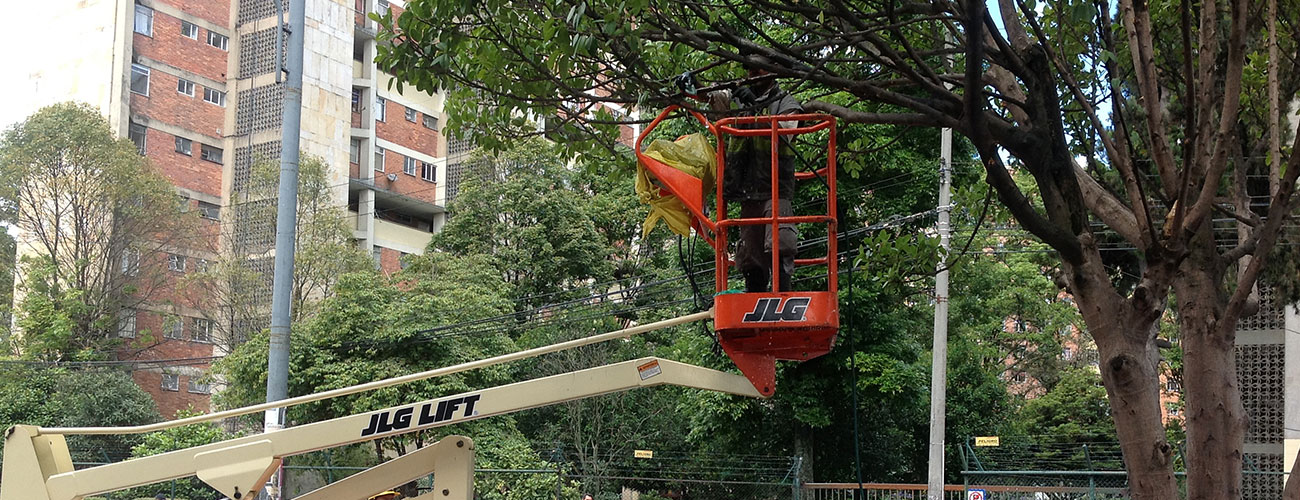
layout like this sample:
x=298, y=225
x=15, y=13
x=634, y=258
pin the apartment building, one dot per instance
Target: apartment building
x=194, y=84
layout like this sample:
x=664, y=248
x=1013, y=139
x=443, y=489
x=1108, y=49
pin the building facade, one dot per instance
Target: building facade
x=195, y=84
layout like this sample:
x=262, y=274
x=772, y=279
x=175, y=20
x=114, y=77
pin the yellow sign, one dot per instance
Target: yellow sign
x=986, y=441
x=644, y=454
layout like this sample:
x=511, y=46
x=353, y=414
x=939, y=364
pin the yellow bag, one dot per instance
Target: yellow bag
x=692, y=154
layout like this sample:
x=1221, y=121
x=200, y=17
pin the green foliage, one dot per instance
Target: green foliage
x=524, y=211
x=90, y=207
x=46, y=396
x=1074, y=411
x=172, y=439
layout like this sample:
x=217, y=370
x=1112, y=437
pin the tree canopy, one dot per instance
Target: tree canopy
x=1137, y=123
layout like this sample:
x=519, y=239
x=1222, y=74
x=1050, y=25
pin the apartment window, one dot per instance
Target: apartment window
x=201, y=330
x=139, y=79
x=381, y=108
x=218, y=40
x=136, y=132
x=404, y=260
x=126, y=324
x=430, y=122
x=131, y=262
x=174, y=327
x=379, y=159
x=215, y=97
x=171, y=382
x=189, y=30
x=410, y=115
x=197, y=387
x=1067, y=354
x=378, y=255
x=1020, y=377
x=356, y=100
x=210, y=153
x=209, y=210
x=185, y=87
x=408, y=165
x=1173, y=412
x=201, y=265
x=382, y=7
x=428, y=171
x=143, y=20
x=354, y=151
x=176, y=263
x=1173, y=386
x=184, y=146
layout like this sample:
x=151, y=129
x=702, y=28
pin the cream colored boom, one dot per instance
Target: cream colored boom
x=343, y=391
x=37, y=465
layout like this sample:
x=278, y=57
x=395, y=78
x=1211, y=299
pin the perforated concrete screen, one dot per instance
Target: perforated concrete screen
x=252, y=10
x=1259, y=371
x=1270, y=315
x=259, y=109
x=1261, y=486
x=257, y=52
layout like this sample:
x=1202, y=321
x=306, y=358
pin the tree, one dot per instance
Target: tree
x=324, y=252
x=1136, y=122
x=178, y=438
x=521, y=210
x=92, y=215
x=58, y=397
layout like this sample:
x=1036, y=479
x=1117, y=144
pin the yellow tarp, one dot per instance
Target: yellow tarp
x=692, y=154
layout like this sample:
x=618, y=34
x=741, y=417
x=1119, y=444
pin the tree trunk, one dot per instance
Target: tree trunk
x=1216, y=419
x=1124, y=330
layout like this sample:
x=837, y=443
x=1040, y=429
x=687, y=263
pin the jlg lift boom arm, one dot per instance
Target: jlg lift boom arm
x=37, y=466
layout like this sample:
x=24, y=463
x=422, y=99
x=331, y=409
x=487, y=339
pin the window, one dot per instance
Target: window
x=1173, y=412
x=140, y=79
x=215, y=97
x=430, y=122
x=131, y=262
x=356, y=100
x=171, y=382
x=1020, y=377
x=201, y=330
x=408, y=165
x=379, y=159
x=218, y=40
x=197, y=387
x=189, y=30
x=1173, y=386
x=378, y=255
x=201, y=265
x=126, y=324
x=1067, y=353
x=209, y=210
x=184, y=146
x=143, y=20
x=382, y=7
x=185, y=87
x=404, y=260
x=410, y=115
x=174, y=327
x=210, y=153
x=428, y=171
x=354, y=151
x=381, y=108
x=176, y=262
x=137, y=134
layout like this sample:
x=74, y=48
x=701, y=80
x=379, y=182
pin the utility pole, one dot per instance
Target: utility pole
x=286, y=221
x=939, y=370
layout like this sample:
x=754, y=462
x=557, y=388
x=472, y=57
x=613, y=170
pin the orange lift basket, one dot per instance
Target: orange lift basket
x=756, y=329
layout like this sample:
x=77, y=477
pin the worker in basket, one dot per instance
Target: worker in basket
x=748, y=177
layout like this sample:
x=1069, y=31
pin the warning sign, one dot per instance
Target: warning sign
x=975, y=495
x=643, y=453
x=987, y=441
x=649, y=369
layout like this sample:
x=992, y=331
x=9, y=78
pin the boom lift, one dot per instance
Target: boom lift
x=38, y=465
x=756, y=329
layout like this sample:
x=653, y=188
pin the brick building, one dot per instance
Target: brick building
x=193, y=83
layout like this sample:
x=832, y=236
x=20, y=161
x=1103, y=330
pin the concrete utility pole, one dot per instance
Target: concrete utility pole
x=286, y=221
x=939, y=370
